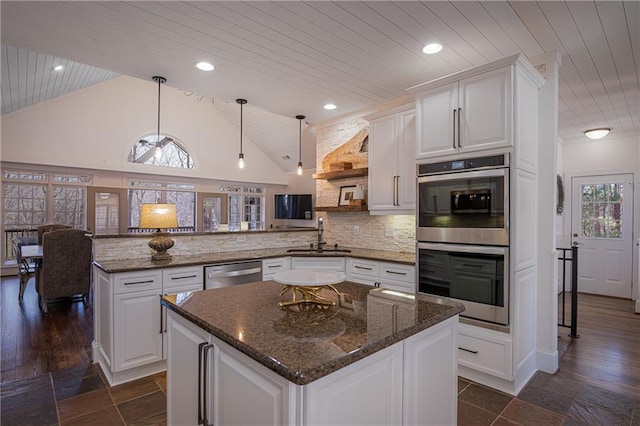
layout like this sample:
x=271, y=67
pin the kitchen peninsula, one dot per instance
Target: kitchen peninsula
x=375, y=357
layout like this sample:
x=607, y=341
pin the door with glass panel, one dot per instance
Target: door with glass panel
x=213, y=211
x=601, y=227
x=106, y=210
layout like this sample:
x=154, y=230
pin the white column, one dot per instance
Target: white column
x=547, y=307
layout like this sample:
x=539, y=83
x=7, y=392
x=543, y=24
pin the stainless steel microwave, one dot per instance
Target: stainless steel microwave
x=464, y=201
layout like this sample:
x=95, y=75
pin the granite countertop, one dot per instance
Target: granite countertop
x=305, y=346
x=127, y=265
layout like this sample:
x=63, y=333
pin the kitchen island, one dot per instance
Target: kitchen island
x=376, y=357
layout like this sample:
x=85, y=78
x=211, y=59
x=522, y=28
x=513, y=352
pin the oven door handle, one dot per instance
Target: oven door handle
x=466, y=248
x=499, y=172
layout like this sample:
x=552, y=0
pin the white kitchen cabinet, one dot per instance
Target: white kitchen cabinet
x=394, y=276
x=471, y=114
x=392, y=174
x=185, y=381
x=137, y=329
x=273, y=266
x=483, y=350
x=129, y=322
x=227, y=375
x=412, y=382
x=334, y=264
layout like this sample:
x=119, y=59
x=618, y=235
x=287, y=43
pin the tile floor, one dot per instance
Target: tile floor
x=80, y=396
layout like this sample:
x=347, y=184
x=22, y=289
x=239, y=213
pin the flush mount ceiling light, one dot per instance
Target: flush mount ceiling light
x=58, y=68
x=432, y=48
x=158, y=152
x=598, y=133
x=300, y=118
x=241, y=155
x=330, y=106
x=205, y=66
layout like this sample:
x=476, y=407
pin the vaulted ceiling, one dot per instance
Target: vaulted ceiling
x=289, y=58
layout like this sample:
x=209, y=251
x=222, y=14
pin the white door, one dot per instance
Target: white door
x=601, y=227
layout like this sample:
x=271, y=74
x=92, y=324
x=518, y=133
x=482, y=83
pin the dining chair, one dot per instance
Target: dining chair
x=26, y=270
x=50, y=227
x=66, y=266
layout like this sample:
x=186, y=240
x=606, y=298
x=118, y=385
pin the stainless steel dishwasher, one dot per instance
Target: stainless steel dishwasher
x=228, y=274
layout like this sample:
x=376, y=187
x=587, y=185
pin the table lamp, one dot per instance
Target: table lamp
x=159, y=216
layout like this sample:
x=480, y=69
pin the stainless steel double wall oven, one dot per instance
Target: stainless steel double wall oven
x=462, y=229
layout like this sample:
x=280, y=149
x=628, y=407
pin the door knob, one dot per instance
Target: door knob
x=575, y=235
x=575, y=243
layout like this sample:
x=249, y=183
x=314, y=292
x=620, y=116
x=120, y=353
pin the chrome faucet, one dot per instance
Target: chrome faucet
x=320, y=231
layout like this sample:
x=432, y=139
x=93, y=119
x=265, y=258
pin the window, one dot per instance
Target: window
x=182, y=195
x=246, y=207
x=165, y=151
x=602, y=210
x=33, y=198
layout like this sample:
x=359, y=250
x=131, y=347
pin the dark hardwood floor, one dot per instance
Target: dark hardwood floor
x=32, y=345
x=47, y=376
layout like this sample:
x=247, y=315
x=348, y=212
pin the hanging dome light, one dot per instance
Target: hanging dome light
x=158, y=151
x=241, y=155
x=300, y=118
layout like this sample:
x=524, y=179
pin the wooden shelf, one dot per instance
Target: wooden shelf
x=341, y=209
x=342, y=174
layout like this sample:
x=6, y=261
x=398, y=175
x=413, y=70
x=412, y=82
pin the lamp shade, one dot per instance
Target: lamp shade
x=158, y=216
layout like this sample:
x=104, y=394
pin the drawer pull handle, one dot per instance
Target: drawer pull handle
x=362, y=267
x=274, y=266
x=184, y=278
x=472, y=266
x=467, y=350
x=138, y=282
x=397, y=273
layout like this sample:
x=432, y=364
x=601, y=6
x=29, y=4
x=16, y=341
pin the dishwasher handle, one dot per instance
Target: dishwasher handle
x=219, y=274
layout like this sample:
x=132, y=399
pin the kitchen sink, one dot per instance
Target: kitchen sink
x=330, y=250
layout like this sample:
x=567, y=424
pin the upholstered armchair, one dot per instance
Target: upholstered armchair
x=66, y=266
x=48, y=228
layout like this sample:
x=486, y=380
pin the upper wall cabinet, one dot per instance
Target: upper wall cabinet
x=392, y=176
x=467, y=115
x=472, y=110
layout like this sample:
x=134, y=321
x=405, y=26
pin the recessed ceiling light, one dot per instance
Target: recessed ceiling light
x=58, y=68
x=205, y=66
x=330, y=106
x=432, y=48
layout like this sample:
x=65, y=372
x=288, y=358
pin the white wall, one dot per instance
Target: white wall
x=95, y=128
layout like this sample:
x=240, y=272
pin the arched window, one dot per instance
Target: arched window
x=162, y=151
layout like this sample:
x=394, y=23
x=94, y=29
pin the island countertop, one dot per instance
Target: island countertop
x=305, y=346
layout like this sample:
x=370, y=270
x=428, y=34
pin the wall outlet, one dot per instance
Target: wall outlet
x=356, y=230
x=241, y=238
x=388, y=231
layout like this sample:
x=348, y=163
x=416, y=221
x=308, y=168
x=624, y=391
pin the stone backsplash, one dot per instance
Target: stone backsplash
x=134, y=247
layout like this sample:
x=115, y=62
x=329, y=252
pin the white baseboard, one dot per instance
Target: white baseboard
x=638, y=306
x=547, y=362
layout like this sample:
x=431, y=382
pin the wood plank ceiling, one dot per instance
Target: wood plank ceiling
x=290, y=58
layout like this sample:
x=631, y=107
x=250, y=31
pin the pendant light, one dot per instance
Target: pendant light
x=241, y=155
x=300, y=118
x=159, y=80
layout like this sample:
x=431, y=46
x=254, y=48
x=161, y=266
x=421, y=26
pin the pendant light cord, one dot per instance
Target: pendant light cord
x=158, y=141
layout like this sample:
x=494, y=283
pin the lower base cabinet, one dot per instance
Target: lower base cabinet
x=411, y=382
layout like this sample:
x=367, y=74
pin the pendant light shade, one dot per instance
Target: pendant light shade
x=241, y=155
x=300, y=118
x=158, y=152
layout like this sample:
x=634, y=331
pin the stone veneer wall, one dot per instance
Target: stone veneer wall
x=129, y=247
x=339, y=225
